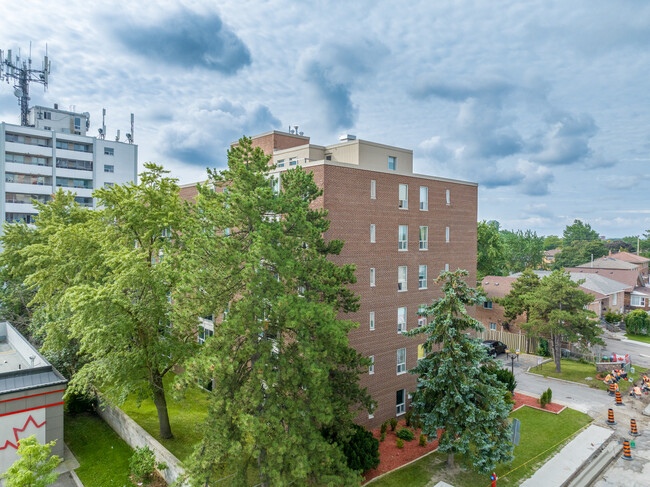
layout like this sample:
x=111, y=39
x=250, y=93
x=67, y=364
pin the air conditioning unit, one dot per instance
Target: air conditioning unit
x=422, y=322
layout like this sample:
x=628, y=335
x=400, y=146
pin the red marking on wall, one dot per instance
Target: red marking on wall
x=32, y=409
x=20, y=430
x=33, y=395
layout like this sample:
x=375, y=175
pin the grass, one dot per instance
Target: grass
x=542, y=435
x=185, y=416
x=638, y=338
x=103, y=456
x=575, y=371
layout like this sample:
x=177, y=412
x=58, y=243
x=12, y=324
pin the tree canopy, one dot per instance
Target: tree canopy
x=456, y=392
x=579, y=231
x=280, y=364
x=579, y=252
x=34, y=467
x=491, y=258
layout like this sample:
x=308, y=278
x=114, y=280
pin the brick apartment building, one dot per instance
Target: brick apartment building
x=400, y=229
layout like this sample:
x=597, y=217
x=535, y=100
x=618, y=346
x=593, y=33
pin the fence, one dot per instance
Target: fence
x=514, y=341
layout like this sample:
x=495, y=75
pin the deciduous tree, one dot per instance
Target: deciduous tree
x=515, y=303
x=579, y=231
x=455, y=392
x=34, y=467
x=491, y=258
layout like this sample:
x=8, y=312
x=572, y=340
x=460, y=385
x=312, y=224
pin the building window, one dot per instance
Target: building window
x=77, y=123
x=392, y=163
x=614, y=296
x=424, y=198
x=75, y=183
x=447, y=234
x=402, y=237
x=422, y=277
x=47, y=128
x=293, y=161
x=372, y=277
x=275, y=185
x=400, y=403
x=370, y=415
x=493, y=326
x=424, y=238
x=47, y=115
x=373, y=189
x=401, y=320
x=446, y=267
x=401, y=278
x=280, y=163
x=204, y=334
x=109, y=168
x=372, y=233
x=401, y=361
x=420, y=351
x=404, y=196
x=448, y=197
x=109, y=185
x=636, y=300
x=109, y=151
x=371, y=367
x=487, y=304
x=372, y=320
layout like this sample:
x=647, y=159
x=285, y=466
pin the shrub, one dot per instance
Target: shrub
x=361, y=449
x=405, y=434
x=384, y=427
x=78, y=402
x=506, y=377
x=383, y=436
x=423, y=440
x=543, y=348
x=400, y=443
x=546, y=397
x=407, y=417
x=637, y=322
x=393, y=424
x=142, y=464
x=549, y=395
x=613, y=317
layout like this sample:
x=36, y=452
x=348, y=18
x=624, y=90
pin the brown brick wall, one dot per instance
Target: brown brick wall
x=189, y=193
x=277, y=141
x=495, y=315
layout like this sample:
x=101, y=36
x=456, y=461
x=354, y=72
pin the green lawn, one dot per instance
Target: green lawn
x=575, y=371
x=542, y=434
x=638, y=338
x=185, y=417
x=103, y=456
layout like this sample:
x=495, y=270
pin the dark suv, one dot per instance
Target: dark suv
x=494, y=347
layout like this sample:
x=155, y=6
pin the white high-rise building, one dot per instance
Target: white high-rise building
x=55, y=152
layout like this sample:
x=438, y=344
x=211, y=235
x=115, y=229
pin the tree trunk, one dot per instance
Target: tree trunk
x=450, y=461
x=557, y=354
x=161, y=406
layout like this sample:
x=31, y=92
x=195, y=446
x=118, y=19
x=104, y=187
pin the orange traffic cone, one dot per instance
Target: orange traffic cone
x=627, y=453
x=633, y=430
x=612, y=389
x=619, y=400
x=610, y=417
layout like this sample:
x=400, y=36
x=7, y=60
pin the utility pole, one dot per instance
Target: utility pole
x=22, y=74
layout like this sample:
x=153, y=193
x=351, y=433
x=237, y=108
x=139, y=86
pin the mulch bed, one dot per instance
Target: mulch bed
x=522, y=400
x=392, y=457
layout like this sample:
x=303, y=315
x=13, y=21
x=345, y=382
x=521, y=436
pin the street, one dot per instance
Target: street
x=617, y=343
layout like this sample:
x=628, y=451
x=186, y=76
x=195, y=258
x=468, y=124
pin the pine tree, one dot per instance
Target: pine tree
x=455, y=393
x=282, y=370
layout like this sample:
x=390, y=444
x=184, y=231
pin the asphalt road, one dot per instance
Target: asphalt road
x=639, y=352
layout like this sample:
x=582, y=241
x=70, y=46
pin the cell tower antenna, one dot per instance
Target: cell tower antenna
x=22, y=75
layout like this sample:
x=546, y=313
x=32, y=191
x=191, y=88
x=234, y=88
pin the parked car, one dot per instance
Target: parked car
x=494, y=347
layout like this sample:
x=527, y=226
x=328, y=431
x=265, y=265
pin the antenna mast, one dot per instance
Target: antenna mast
x=22, y=73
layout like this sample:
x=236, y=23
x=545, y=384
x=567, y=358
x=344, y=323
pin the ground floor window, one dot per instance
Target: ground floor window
x=493, y=326
x=637, y=301
x=400, y=402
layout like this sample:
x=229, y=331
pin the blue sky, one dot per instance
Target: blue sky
x=544, y=103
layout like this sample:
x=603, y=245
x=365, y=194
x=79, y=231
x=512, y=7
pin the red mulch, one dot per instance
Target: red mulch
x=392, y=457
x=522, y=400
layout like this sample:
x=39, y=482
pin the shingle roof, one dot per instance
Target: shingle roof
x=629, y=257
x=629, y=277
x=596, y=284
x=497, y=286
x=609, y=263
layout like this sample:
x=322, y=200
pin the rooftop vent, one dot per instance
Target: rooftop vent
x=347, y=137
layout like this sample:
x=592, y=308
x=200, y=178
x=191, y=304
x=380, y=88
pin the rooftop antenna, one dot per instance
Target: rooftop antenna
x=23, y=74
x=102, y=130
x=130, y=136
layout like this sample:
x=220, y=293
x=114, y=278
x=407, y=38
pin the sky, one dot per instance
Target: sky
x=544, y=103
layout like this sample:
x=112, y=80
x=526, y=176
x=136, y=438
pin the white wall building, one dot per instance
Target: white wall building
x=56, y=153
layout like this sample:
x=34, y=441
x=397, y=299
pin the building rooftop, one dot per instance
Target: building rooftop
x=629, y=277
x=609, y=263
x=21, y=366
x=629, y=257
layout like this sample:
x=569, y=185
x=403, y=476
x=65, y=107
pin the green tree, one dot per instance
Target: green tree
x=515, y=303
x=552, y=242
x=491, y=258
x=281, y=365
x=523, y=250
x=114, y=276
x=35, y=467
x=579, y=252
x=454, y=392
x=579, y=231
x=637, y=322
x=557, y=313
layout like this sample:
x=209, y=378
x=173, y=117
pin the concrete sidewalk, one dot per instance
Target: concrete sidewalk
x=568, y=460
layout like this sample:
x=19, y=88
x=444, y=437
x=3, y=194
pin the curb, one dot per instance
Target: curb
x=636, y=342
x=76, y=479
x=561, y=380
x=595, y=465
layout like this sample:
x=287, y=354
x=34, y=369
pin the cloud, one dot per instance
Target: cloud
x=566, y=140
x=200, y=135
x=536, y=178
x=333, y=70
x=188, y=40
x=460, y=90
